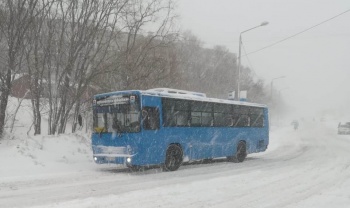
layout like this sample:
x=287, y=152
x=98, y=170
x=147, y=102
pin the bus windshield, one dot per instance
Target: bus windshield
x=117, y=118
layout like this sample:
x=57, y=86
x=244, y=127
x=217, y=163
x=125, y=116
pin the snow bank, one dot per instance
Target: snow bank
x=25, y=155
x=32, y=156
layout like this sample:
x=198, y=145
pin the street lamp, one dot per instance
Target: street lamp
x=272, y=85
x=239, y=58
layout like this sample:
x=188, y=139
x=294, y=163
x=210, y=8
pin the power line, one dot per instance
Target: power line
x=249, y=63
x=292, y=36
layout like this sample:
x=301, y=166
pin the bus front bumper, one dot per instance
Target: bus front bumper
x=116, y=155
x=113, y=158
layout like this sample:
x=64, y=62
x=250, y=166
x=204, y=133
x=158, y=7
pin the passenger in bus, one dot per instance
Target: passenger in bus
x=116, y=125
x=150, y=118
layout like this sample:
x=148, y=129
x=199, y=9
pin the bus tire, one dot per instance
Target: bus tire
x=173, y=158
x=240, y=154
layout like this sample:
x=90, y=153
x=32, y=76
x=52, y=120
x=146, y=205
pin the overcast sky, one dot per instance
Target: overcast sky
x=316, y=63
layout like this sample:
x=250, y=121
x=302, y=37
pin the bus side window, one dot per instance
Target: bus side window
x=150, y=118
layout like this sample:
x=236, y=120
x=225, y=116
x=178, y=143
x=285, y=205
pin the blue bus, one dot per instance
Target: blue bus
x=167, y=127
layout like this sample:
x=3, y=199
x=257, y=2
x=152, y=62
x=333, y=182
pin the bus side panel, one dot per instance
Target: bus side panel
x=196, y=142
x=212, y=142
x=200, y=142
x=266, y=128
x=259, y=137
x=152, y=145
x=264, y=137
x=207, y=142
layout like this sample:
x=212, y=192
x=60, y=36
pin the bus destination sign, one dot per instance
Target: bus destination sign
x=113, y=101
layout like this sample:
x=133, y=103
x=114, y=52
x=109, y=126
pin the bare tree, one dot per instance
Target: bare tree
x=188, y=60
x=14, y=113
x=16, y=18
x=68, y=46
x=143, y=45
x=83, y=30
x=37, y=56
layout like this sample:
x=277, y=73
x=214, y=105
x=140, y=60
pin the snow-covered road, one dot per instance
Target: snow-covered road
x=305, y=168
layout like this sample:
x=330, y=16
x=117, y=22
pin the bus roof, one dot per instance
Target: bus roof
x=182, y=94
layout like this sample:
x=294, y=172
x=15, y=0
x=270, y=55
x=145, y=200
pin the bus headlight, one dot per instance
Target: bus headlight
x=95, y=158
x=128, y=160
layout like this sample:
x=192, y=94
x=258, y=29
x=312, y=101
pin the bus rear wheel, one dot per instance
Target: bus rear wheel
x=173, y=159
x=241, y=153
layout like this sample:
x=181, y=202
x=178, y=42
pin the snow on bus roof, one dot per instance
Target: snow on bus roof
x=188, y=95
x=176, y=91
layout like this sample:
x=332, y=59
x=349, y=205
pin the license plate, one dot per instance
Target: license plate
x=110, y=159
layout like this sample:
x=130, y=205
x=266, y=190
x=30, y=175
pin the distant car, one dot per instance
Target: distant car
x=344, y=128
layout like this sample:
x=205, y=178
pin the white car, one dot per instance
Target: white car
x=344, y=128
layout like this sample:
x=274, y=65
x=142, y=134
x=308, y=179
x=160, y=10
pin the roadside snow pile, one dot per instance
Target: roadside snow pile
x=22, y=154
x=45, y=154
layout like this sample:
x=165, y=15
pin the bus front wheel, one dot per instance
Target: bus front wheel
x=241, y=153
x=173, y=158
